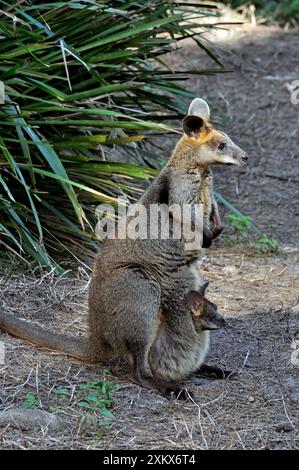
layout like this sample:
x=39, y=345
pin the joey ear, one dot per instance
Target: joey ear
x=200, y=107
x=192, y=125
x=194, y=302
x=203, y=288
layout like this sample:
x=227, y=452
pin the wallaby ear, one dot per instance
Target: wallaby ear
x=203, y=288
x=194, y=302
x=200, y=107
x=192, y=125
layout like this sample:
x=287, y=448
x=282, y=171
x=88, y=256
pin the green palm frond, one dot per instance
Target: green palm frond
x=78, y=79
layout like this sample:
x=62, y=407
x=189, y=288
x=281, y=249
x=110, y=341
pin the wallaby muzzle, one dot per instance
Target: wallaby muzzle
x=213, y=322
x=240, y=157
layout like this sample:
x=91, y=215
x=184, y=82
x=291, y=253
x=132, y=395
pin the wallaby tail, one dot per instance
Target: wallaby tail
x=25, y=329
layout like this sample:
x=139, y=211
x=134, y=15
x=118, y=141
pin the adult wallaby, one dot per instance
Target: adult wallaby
x=139, y=284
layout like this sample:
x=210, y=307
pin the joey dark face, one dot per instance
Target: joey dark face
x=209, y=146
x=204, y=312
x=211, y=319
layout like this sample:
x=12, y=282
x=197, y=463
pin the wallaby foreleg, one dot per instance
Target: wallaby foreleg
x=216, y=224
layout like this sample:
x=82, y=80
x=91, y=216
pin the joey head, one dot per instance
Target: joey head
x=204, y=312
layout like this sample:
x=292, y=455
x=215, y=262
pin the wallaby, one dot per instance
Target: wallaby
x=133, y=281
x=182, y=340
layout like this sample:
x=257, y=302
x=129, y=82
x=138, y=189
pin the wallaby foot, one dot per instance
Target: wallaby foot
x=216, y=372
x=174, y=391
x=167, y=389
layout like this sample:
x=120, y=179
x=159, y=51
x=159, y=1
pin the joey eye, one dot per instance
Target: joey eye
x=221, y=146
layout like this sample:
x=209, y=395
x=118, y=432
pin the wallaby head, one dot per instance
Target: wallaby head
x=204, y=312
x=208, y=146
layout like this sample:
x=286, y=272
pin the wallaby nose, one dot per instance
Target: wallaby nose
x=244, y=158
x=221, y=322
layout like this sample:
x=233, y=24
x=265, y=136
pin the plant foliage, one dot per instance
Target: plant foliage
x=79, y=79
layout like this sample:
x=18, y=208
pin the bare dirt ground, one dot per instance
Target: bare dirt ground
x=257, y=294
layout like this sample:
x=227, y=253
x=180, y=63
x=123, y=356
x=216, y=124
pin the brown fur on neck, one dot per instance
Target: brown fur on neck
x=183, y=158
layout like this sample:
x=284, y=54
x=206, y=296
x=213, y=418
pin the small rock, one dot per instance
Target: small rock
x=230, y=270
x=31, y=419
x=284, y=428
x=251, y=399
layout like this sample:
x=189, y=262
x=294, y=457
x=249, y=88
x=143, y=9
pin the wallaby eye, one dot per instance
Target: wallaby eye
x=222, y=145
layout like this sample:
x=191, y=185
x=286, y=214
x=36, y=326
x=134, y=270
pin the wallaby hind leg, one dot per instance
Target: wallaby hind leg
x=124, y=312
x=141, y=370
x=145, y=377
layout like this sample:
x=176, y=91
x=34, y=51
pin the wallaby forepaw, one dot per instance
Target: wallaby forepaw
x=216, y=232
x=207, y=238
